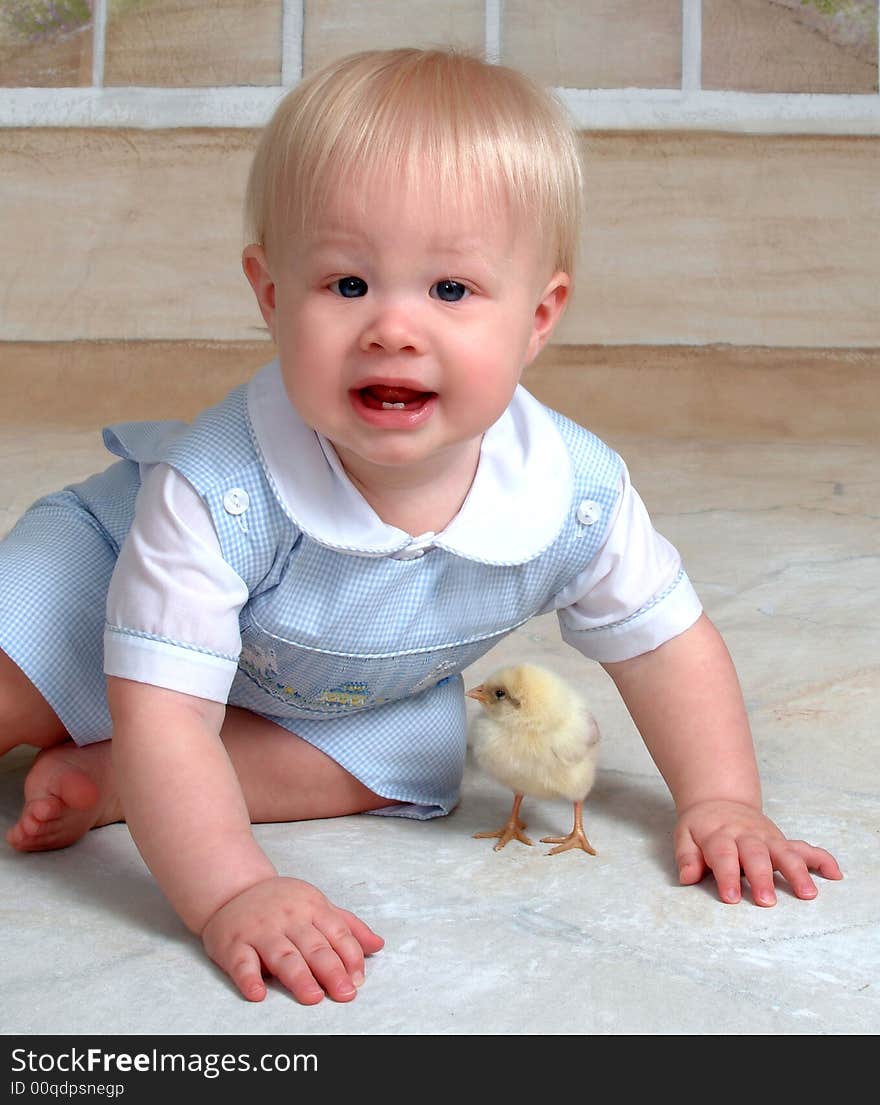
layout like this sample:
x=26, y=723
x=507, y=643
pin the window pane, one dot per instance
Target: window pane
x=334, y=28
x=790, y=45
x=45, y=43
x=193, y=43
x=595, y=43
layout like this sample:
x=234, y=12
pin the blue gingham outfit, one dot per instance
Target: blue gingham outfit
x=360, y=655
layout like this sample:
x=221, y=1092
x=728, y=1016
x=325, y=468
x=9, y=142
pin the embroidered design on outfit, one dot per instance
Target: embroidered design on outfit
x=261, y=665
x=436, y=675
x=352, y=693
x=258, y=662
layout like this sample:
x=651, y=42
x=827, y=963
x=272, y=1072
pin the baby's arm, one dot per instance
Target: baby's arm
x=188, y=817
x=686, y=702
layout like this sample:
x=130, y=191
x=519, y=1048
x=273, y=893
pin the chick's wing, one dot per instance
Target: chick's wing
x=577, y=739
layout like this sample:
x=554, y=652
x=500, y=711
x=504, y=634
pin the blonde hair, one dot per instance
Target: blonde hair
x=470, y=131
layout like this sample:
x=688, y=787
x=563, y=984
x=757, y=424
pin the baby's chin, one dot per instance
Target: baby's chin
x=400, y=458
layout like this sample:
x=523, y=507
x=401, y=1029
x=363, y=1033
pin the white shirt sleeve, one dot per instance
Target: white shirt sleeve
x=634, y=596
x=173, y=601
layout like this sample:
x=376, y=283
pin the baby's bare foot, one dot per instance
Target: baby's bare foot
x=68, y=791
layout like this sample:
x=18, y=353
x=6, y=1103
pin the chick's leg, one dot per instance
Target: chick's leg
x=575, y=839
x=510, y=831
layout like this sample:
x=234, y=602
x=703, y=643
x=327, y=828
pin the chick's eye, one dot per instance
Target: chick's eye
x=500, y=693
x=450, y=291
x=349, y=287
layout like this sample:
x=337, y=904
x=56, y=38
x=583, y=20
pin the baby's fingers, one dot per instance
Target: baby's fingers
x=817, y=859
x=721, y=853
x=688, y=859
x=244, y=970
x=794, y=859
x=286, y=962
x=326, y=966
x=347, y=947
x=757, y=866
x=370, y=941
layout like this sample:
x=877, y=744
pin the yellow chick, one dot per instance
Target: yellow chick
x=536, y=736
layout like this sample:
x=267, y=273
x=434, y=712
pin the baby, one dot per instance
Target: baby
x=293, y=584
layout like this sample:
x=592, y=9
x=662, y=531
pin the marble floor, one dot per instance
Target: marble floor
x=781, y=540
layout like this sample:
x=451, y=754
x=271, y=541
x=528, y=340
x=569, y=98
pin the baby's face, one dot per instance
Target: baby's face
x=402, y=330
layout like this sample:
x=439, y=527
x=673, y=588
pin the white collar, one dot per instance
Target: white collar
x=515, y=508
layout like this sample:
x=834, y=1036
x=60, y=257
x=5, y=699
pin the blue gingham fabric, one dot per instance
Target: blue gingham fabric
x=359, y=655
x=55, y=568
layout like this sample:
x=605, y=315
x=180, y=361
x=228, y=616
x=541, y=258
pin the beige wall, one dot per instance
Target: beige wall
x=701, y=238
x=690, y=238
x=699, y=391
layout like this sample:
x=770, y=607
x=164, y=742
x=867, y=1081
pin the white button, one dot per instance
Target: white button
x=236, y=500
x=410, y=554
x=589, y=513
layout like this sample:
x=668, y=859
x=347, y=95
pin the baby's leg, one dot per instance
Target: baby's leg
x=25, y=716
x=283, y=778
x=63, y=788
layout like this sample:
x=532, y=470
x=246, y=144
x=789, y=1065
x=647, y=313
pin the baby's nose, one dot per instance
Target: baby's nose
x=392, y=329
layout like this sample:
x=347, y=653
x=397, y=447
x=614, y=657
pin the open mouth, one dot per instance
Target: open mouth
x=393, y=406
x=379, y=397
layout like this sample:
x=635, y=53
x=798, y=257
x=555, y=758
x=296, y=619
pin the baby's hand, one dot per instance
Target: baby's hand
x=289, y=928
x=732, y=836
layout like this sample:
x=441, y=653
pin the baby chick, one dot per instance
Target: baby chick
x=536, y=736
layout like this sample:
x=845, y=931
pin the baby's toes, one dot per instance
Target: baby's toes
x=38, y=819
x=40, y=814
x=49, y=822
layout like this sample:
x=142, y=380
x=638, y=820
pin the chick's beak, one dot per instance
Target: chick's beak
x=479, y=693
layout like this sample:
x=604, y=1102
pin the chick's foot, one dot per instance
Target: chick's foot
x=575, y=839
x=511, y=831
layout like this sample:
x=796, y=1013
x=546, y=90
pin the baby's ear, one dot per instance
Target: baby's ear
x=256, y=269
x=548, y=312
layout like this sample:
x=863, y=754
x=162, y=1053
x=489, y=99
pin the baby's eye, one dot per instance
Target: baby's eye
x=450, y=291
x=349, y=287
x=500, y=693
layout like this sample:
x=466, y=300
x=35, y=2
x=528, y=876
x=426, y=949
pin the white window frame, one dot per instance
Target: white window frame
x=689, y=107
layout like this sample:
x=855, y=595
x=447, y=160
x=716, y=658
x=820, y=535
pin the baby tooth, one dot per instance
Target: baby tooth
x=393, y=406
